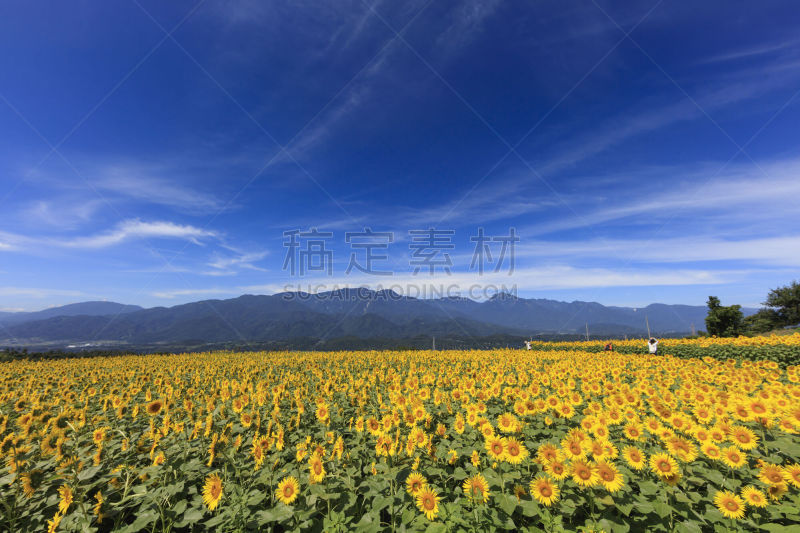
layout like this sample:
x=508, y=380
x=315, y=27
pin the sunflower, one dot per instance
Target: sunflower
x=610, y=477
x=729, y=504
x=212, y=491
x=663, y=465
x=711, y=450
x=547, y=452
x=770, y=474
x=66, y=499
x=428, y=502
x=507, y=423
x=415, y=482
x=49, y=445
x=733, y=458
x=633, y=431
x=556, y=469
x=565, y=410
x=476, y=488
x=544, y=491
x=31, y=481
x=754, y=497
x=316, y=470
x=791, y=474
x=717, y=434
x=743, y=437
x=154, y=407
x=584, y=474
x=776, y=492
x=323, y=413
x=475, y=458
x=459, y=424
x=52, y=525
x=573, y=448
x=681, y=448
x=701, y=434
x=159, y=459
x=496, y=447
x=373, y=425
x=516, y=452
x=288, y=489
x=634, y=457
x=98, y=507
x=99, y=435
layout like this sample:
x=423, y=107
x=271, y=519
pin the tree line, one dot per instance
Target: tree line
x=781, y=309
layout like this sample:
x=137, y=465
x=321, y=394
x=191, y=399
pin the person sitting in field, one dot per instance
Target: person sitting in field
x=609, y=347
x=652, y=345
x=527, y=345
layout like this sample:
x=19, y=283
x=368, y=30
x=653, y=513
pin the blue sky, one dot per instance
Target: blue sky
x=154, y=153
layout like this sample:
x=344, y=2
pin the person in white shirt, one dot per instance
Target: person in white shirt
x=652, y=345
x=527, y=345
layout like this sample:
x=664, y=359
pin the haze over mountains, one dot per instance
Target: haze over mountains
x=360, y=313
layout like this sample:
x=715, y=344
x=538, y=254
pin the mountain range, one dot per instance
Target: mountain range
x=353, y=313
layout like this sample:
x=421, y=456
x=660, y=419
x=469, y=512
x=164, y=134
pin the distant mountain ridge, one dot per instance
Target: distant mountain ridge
x=96, y=308
x=357, y=313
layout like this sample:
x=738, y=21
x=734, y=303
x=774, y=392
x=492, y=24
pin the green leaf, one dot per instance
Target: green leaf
x=179, y=507
x=529, y=508
x=436, y=527
x=507, y=503
x=143, y=520
x=88, y=473
x=606, y=500
x=648, y=488
x=278, y=513
x=380, y=502
x=614, y=527
x=193, y=515
x=625, y=508
x=688, y=527
x=369, y=523
x=256, y=497
x=644, y=507
x=214, y=521
x=778, y=528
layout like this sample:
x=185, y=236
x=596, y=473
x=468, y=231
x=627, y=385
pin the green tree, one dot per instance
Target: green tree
x=763, y=321
x=723, y=321
x=786, y=303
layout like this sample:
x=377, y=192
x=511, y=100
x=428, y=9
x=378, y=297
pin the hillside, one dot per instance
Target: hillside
x=350, y=313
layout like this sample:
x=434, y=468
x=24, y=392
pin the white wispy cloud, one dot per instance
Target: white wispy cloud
x=126, y=230
x=177, y=293
x=749, y=193
x=464, y=22
x=144, y=184
x=499, y=199
x=780, y=251
x=138, y=229
x=230, y=264
x=751, y=51
x=640, y=120
x=66, y=213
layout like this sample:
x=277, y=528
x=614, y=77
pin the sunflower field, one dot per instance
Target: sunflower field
x=544, y=440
